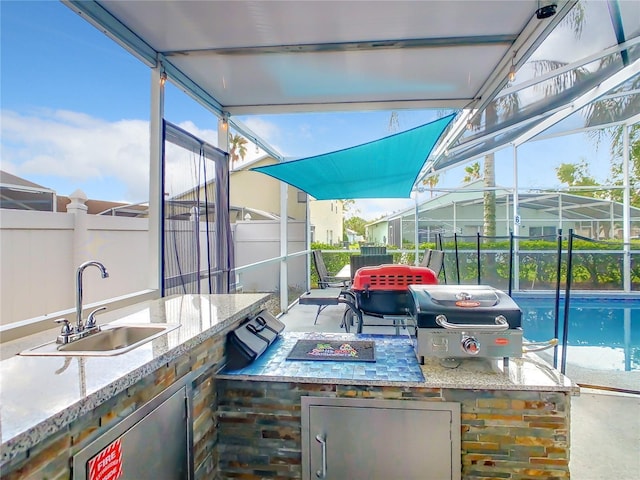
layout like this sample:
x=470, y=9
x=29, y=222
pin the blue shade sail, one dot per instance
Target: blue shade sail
x=385, y=168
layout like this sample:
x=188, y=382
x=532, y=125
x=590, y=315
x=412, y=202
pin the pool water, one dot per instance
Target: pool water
x=603, y=333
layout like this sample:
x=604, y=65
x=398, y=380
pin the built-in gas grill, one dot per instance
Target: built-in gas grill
x=458, y=321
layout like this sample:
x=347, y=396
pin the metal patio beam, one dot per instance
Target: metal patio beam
x=253, y=137
x=531, y=37
x=359, y=46
x=602, y=89
x=95, y=14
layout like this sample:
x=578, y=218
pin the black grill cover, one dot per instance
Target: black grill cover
x=462, y=304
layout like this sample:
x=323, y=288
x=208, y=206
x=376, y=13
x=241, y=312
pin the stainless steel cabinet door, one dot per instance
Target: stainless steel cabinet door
x=381, y=439
x=152, y=443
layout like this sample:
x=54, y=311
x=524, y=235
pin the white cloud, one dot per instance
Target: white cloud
x=267, y=131
x=208, y=135
x=77, y=147
x=262, y=127
x=371, y=209
x=72, y=148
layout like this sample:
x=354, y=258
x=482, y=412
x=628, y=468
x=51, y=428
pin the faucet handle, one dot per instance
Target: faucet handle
x=66, y=333
x=66, y=328
x=91, y=319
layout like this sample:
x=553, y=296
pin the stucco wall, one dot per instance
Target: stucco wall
x=262, y=192
x=326, y=217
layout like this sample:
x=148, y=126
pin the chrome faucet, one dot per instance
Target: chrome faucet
x=70, y=334
x=103, y=271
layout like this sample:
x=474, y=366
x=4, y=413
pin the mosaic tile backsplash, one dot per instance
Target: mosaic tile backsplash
x=395, y=360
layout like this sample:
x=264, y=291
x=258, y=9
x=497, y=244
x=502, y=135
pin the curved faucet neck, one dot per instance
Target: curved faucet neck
x=79, y=287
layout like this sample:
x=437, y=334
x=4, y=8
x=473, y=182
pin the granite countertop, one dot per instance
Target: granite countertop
x=39, y=395
x=397, y=364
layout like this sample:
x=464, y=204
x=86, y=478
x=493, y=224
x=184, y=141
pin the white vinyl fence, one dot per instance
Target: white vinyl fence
x=40, y=252
x=259, y=240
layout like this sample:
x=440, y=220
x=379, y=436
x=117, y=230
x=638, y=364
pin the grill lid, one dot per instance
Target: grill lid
x=462, y=304
x=392, y=277
x=464, y=297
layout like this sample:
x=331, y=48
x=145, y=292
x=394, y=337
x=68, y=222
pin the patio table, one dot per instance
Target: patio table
x=330, y=296
x=344, y=273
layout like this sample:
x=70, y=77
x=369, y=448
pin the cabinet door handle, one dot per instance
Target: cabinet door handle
x=322, y=440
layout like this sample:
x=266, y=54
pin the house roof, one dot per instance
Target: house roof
x=20, y=194
x=9, y=180
x=250, y=163
x=572, y=207
x=106, y=207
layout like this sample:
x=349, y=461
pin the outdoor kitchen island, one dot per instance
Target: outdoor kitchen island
x=248, y=423
x=513, y=423
x=55, y=408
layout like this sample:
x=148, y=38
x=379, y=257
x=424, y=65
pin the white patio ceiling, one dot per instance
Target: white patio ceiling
x=248, y=57
x=262, y=57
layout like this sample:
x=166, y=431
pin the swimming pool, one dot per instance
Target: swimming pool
x=603, y=333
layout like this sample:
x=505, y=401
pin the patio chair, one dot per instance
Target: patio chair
x=370, y=250
x=358, y=261
x=433, y=259
x=324, y=279
x=327, y=281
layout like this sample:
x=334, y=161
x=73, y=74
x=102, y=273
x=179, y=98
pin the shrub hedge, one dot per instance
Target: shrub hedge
x=595, y=265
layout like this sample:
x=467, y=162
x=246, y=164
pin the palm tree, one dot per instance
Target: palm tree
x=505, y=107
x=609, y=110
x=431, y=182
x=238, y=148
x=489, y=197
x=472, y=172
x=602, y=112
x=616, y=175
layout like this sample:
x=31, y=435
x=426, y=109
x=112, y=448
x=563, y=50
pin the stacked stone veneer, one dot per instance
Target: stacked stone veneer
x=505, y=434
x=50, y=459
x=252, y=430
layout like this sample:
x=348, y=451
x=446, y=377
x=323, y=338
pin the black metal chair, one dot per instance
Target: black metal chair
x=371, y=250
x=324, y=279
x=327, y=281
x=359, y=261
x=433, y=259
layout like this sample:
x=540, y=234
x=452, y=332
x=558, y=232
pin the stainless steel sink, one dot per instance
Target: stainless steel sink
x=110, y=340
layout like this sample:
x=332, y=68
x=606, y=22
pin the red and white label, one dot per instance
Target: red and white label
x=107, y=465
x=467, y=303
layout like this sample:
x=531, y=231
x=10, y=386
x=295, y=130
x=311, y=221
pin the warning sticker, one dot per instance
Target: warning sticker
x=107, y=465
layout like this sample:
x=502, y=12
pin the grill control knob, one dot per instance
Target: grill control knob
x=470, y=345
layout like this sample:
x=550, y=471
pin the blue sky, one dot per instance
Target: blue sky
x=75, y=109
